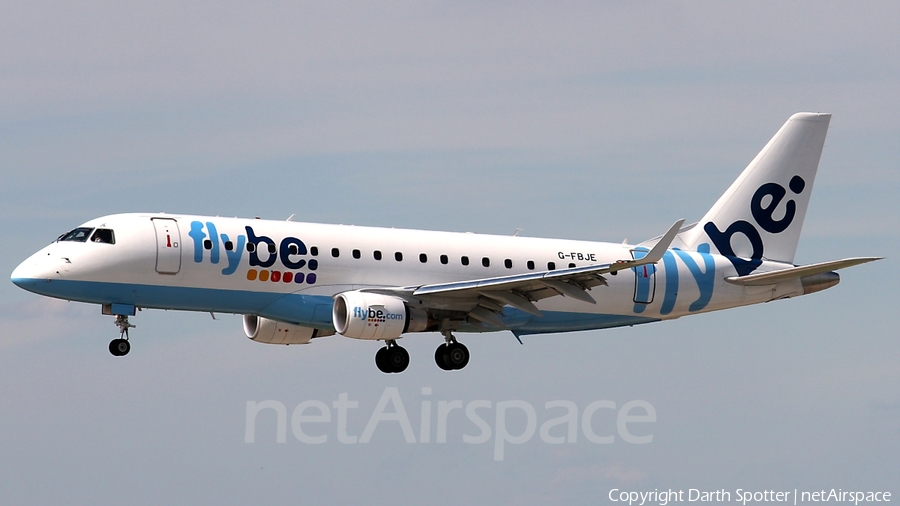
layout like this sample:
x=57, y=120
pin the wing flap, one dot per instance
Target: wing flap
x=569, y=290
x=513, y=299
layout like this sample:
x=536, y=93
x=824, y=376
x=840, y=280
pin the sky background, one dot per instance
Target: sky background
x=582, y=120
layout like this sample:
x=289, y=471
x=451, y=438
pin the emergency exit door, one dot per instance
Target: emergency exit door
x=644, y=278
x=168, y=245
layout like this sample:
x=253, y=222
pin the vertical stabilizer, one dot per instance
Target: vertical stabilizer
x=761, y=214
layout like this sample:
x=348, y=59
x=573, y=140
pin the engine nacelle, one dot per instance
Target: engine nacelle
x=819, y=282
x=264, y=330
x=363, y=315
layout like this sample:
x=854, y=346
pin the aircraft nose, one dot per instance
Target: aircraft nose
x=25, y=275
x=33, y=273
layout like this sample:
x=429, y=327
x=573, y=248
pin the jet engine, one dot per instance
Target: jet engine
x=819, y=282
x=264, y=330
x=363, y=315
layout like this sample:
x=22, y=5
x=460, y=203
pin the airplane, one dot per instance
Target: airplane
x=297, y=282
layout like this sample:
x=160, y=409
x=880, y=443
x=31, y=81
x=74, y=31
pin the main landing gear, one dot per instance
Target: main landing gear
x=120, y=347
x=451, y=355
x=392, y=358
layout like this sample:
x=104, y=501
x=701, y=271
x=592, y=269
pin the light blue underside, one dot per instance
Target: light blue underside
x=297, y=308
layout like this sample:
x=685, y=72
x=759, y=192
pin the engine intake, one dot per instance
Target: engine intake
x=363, y=315
x=264, y=330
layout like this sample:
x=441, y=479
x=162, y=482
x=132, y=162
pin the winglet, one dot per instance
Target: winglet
x=656, y=253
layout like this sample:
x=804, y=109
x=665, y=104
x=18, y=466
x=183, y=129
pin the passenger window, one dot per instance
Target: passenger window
x=551, y=266
x=464, y=260
x=423, y=257
x=314, y=251
x=530, y=265
x=444, y=259
x=207, y=244
x=571, y=266
x=78, y=235
x=335, y=252
x=398, y=256
x=356, y=254
x=251, y=247
x=271, y=248
x=485, y=261
x=508, y=263
x=229, y=245
x=103, y=235
x=377, y=255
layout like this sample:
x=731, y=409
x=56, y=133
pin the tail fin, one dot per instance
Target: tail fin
x=761, y=214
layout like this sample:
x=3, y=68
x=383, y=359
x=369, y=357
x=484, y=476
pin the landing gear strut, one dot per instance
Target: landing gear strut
x=392, y=358
x=451, y=355
x=120, y=347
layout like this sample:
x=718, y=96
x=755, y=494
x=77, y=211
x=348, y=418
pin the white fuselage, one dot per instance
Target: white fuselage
x=184, y=262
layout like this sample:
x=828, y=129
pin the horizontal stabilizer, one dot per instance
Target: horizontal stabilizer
x=773, y=277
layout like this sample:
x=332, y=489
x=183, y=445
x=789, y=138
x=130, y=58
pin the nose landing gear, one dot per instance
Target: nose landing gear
x=392, y=358
x=451, y=355
x=120, y=347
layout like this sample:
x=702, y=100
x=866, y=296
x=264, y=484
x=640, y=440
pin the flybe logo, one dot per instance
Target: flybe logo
x=266, y=258
x=704, y=276
x=373, y=315
x=763, y=205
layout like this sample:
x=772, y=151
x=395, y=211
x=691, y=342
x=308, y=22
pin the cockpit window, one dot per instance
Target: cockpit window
x=104, y=235
x=78, y=235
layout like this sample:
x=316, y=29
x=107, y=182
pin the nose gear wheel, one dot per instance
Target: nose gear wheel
x=119, y=347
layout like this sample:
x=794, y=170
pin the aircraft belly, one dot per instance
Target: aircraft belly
x=158, y=296
x=557, y=321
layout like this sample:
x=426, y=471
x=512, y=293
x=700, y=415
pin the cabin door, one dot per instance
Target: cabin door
x=168, y=245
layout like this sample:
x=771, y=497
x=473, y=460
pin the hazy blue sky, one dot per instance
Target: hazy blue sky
x=586, y=120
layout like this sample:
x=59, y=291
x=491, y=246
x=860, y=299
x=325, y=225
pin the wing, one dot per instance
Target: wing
x=483, y=299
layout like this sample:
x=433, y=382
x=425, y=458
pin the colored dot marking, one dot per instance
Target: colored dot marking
x=313, y=264
x=298, y=278
x=276, y=276
x=311, y=278
x=263, y=275
x=251, y=275
x=288, y=277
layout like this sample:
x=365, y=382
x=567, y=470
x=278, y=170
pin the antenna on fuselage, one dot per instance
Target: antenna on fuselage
x=291, y=217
